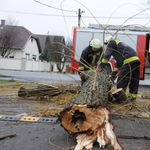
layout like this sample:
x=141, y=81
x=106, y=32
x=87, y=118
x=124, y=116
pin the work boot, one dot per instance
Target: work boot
x=131, y=99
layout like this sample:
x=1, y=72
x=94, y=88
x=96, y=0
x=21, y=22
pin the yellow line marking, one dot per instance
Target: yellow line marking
x=32, y=119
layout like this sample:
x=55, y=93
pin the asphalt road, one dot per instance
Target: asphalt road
x=50, y=78
x=41, y=77
x=47, y=136
x=51, y=136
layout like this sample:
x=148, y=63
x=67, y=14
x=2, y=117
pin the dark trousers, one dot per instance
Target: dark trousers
x=129, y=76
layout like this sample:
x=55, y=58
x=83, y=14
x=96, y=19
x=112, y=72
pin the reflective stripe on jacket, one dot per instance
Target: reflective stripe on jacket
x=91, y=58
x=130, y=59
x=122, y=53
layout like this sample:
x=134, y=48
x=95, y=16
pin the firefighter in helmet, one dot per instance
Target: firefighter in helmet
x=127, y=62
x=89, y=57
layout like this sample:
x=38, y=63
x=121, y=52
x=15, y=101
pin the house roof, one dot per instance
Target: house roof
x=42, y=39
x=23, y=36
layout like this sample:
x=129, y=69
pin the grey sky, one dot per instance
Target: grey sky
x=40, y=19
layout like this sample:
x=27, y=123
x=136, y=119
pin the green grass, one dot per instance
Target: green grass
x=4, y=81
x=2, y=75
x=7, y=81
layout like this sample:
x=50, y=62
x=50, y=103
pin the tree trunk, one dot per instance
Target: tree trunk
x=90, y=97
x=46, y=91
x=39, y=91
x=86, y=114
x=119, y=95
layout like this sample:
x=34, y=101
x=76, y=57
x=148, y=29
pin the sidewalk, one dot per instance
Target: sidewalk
x=144, y=83
x=141, y=83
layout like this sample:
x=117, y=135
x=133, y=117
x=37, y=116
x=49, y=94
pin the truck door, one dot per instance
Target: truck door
x=141, y=47
x=81, y=39
x=147, y=52
x=138, y=43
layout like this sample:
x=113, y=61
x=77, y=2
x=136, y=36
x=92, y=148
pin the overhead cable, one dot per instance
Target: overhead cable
x=69, y=15
x=53, y=7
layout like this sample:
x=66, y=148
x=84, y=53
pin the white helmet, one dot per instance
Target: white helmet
x=96, y=43
x=107, y=39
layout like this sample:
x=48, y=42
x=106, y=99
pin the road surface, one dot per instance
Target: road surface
x=41, y=77
x=51, y=136
x=50, y=78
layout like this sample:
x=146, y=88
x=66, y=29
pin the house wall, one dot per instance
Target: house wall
x=31, y=48
x=17, y=54
x=27, y=65
x=10, y=63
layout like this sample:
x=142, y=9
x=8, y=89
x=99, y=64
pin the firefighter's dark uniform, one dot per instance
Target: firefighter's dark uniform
x=127, y=62
x=89, y=58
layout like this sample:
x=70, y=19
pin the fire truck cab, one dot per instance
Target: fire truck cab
x=136, y=37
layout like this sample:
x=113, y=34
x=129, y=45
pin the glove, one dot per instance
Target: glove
x=114, y=73
x=113, y=77
x=102, y=65
x=83, y=77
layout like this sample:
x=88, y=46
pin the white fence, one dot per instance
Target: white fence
x=27, y=65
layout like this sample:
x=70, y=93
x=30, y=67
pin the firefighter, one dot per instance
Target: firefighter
x=89, y=57
x=127, y=62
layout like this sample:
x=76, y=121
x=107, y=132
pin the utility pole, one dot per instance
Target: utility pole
x=79, y=16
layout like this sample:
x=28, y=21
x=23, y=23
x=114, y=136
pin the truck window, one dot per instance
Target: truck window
x=82, y=40
x=129, y=39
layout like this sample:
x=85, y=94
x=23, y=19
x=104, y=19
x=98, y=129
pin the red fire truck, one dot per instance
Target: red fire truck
x=136, y=37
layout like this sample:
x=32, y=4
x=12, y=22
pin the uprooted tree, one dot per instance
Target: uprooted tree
x=87, y=115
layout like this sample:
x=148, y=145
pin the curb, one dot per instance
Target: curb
x=28, y=119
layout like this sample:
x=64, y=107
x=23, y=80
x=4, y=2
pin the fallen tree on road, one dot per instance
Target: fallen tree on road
x=87, y=115
x=46, y=91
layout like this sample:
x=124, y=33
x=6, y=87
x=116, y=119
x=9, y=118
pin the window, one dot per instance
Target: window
x=52, y=68
x=34, y=57
x=11, y=56
x=27, y=56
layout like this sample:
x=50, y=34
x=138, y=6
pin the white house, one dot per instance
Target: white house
x=26, y=50
x=28, y=45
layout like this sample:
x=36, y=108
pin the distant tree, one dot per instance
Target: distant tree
x=9, y=38
x=60, y=52
x=46, y=55
x=69, y=45
x=56, y=51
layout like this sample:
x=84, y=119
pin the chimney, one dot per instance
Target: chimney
x=2, y=23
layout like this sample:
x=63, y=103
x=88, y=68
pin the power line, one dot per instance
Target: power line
x=69, y=15
x=53, y=7
x=34, y=13
x=83, y=22
x=64, y=17
x=115, y=17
